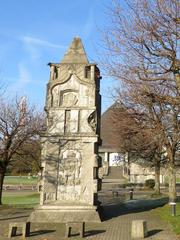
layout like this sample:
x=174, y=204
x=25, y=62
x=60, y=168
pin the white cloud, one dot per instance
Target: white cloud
x=89, y=24
x=40, y=42
x=34, y=46
x=24, y=75
x=19, y=84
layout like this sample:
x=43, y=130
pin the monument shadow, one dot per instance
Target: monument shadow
x=114, y=209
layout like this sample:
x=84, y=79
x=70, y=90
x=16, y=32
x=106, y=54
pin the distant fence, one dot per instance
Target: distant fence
x=19, y=187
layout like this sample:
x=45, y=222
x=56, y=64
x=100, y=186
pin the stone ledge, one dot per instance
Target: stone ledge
x=64, y=215
x=66, y=207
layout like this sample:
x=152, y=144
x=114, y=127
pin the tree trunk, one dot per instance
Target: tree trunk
x=157, y=178
x=172, y=182
x=2, y=174
x=128, y=166
x=177, y=76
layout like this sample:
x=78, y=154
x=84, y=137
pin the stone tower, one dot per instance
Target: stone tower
x=70, y=143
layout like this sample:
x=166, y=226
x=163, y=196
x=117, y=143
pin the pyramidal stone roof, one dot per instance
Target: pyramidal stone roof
x=75, y=53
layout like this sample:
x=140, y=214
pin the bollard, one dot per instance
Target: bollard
x=173, y=208
x=131, y=194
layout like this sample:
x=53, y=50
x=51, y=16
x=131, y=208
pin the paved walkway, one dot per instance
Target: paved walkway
x=116, y=224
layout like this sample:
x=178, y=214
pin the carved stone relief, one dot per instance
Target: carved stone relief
x=55, y=102
x=50, y=121
x=69, y=179
x=64, y=98
x=92, y=121
x=49, y=196
x=55, y=121
x=69, y=99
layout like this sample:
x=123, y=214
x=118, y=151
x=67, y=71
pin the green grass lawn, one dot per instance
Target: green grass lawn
x=165, y=214
x=17, y=180
x=167, y=180
x=15, y=199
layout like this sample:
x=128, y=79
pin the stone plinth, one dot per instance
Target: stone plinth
x=139, y=229
x=65, y=214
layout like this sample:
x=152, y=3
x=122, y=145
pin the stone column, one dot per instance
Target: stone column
x=106, y=156
x=92, y=72
x=106, y=163
x=52, y=69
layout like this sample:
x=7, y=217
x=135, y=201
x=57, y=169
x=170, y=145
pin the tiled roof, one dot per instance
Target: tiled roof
x=109, y=133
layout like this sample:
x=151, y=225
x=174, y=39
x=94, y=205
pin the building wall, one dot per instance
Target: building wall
x=134, y=171
x=139, y=174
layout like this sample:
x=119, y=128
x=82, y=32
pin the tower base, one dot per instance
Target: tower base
x=65, y=213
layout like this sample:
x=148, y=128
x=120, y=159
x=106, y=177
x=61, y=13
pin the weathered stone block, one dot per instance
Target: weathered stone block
x=13, y=228
x=80, y=226
x=139, y=229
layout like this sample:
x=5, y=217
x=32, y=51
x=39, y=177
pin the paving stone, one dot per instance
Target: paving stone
x=117, y=225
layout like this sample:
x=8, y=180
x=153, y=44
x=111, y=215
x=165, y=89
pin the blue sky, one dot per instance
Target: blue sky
x=36, y=32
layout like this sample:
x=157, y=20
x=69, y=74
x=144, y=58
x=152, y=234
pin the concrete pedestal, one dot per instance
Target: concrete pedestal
x=65, y=213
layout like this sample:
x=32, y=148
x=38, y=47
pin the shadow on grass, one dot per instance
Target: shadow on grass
x=111, y=210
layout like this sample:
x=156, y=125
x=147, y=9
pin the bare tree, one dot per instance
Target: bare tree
x=137, y=137
x=27, y=158
x=18, y=124
x=156, y=130
x=142, y=48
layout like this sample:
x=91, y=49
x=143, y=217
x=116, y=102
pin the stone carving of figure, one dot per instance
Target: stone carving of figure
x=70, y=168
